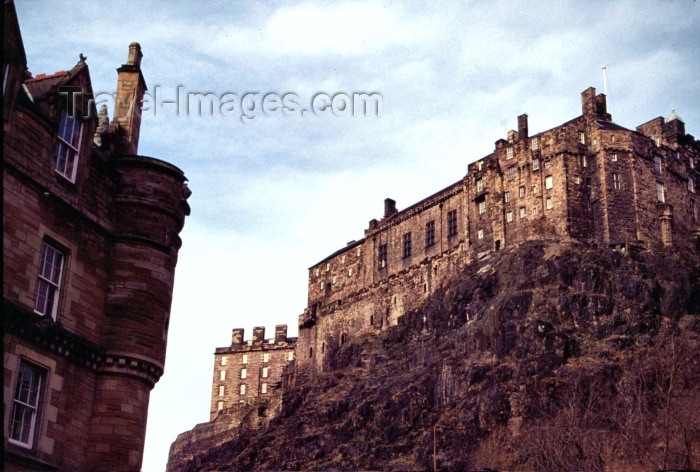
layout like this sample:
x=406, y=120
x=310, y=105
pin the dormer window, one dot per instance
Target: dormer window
x=68, y=146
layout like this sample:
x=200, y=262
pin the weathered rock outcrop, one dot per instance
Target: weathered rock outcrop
x=542, y=356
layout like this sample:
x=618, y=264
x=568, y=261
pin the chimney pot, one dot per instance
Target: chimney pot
x=135, y=55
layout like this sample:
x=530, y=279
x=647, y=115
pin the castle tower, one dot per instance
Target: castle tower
x=149, y=212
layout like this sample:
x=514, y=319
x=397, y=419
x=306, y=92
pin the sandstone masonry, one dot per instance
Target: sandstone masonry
x=90, y=246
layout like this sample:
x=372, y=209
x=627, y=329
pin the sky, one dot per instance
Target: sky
x=274, y=193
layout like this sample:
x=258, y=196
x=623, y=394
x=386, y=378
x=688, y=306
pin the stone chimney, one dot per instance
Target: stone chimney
x=131, y=87
x=237, y=337
x=522, y=126
x=389, y=207
x=280, y=334
x=258, y=336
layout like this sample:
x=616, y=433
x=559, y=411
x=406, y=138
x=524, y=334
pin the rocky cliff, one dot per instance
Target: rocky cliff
x=542, y=356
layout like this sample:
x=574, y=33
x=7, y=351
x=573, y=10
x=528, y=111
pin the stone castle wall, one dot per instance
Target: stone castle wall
x=587, y=180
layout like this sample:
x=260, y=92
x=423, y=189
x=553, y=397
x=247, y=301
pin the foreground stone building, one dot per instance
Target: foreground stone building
x=90, y=245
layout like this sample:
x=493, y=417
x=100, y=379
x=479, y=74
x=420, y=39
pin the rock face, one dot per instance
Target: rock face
x=542, y=356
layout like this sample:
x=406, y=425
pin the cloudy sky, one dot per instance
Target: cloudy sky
x=274, y=196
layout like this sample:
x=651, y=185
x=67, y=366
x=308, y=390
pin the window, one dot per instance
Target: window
x=429, y=234
x=657, y=165
x=222, y=375
x=548, y=182
x=660, y=193
x=691, y=184
x=615, y=181
x=263, y=387
x=320, y=285
x=381, y=257
x=581, y=137
x=547, y=163
x=536, y=164
x=242, y=389
x=480, y=234
x=343, y=338
x=506, y=197
x=406, y=245
x=266, y=357
x=244, y=373
x=350, y=272
x=311, y=352
x=510, y=173
x=535, y=189
x=534, y=211
x=509, y=153
x=342, y=260
x=691, y=161
x=480, y=165
x=265, y=372
x=221, y=390
x=577, y=179
x=359, y=251
x=584, y=160
x=521, y=191
x=452, y=223
x=245, y=359
x=48, y=284
x=335, y=279
x=25, y=406
x=482, y=207
x=328, y=266
x=535, y=143
x=613, y=157
x=509, y=216
x=549, y=203
x=479, y=185
x=290, y=356
x=317, y=271
x=523, y=212
x=68, y=147
x=224, y=360
x=657, y=141
x=220, y=406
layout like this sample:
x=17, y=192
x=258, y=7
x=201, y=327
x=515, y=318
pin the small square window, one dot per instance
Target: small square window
x=547, y=163
x=509, y=153
x=549, y=203
x=548, y=182
x=480, y=234
x=613, y=157
x=577, y=179
x=509, y=216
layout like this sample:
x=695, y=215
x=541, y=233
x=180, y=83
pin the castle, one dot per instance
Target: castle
x=588, y=180
x=90, y=247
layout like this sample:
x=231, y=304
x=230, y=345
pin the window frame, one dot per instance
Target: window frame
x=535, y=164
x=452, y=227
x=615, y=181
x=548, y=182
x=482, y=207
x=430, y=234
x=382, y=255
x=510, y=173
x=39, y=374
x=407, y=245
x=67, y=151
x=660, y=192
x=51, y=284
